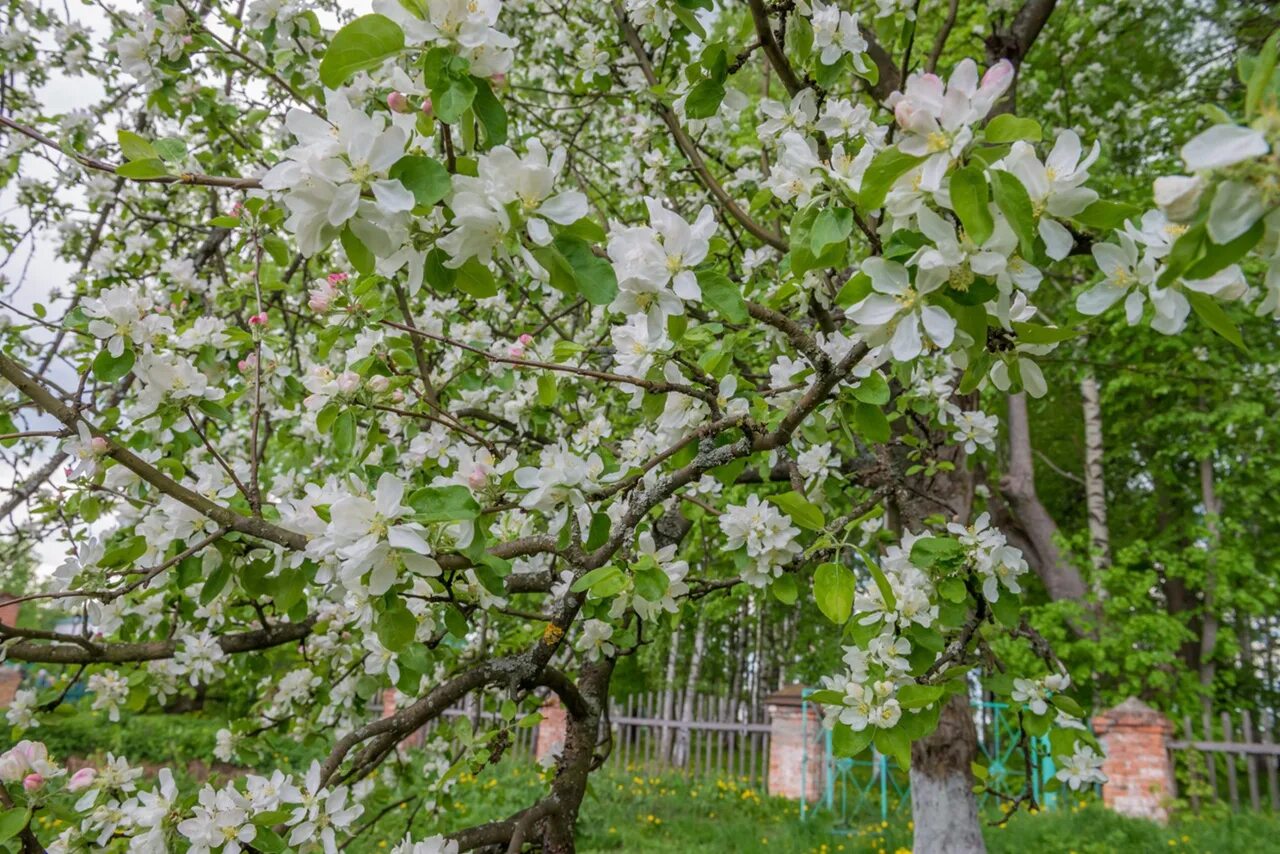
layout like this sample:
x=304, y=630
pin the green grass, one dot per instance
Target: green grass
x=635, y=812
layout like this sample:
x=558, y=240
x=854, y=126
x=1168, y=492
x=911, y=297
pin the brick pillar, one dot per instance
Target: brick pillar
x=551, y=729
x=796, y=746
x=9, y=610
x=10, y=679
x=1138, y=768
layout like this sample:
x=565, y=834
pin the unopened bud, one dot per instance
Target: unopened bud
x=348, y=382
x=427, y=109
x=399, y=103
x=32, y=782
x=378, y=384
x=99, y=445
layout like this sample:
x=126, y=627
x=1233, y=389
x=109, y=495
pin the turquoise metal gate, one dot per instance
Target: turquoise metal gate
x=861, y=788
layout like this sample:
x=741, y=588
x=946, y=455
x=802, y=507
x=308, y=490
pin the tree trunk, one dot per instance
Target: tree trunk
x=1095, y=494
x=681, y=754
x=669, y=695
x=1018, y=486
x=1209, y=618
x=942, y=802
x=943, y=806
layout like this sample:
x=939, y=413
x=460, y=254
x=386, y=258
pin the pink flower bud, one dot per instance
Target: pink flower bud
x=319, y=300
x=259, y=319
x=378, y=384
x=498, y=80
x=427, y=109
x=515, y=351
x=399, y=103
x=32, y=782
x=337, y=278
x=82, y=779
x=397, y=396
x=478, y=478
x=99, y=445
x=348, y=382
x=525, y=339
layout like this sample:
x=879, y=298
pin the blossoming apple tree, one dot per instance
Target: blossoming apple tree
x=454, y=348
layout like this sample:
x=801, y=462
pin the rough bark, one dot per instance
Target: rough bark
x=1036, y=526
x=942, y=802
x=944, y=809
x=1095, y=493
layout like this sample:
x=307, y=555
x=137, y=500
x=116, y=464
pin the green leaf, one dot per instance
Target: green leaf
x=785, y=589
x=1260, y=78
x=971, y=200
x=1007, y=128
x=874, y=389
x=267, y=840
x=1208, y=310
x=454, y=99
x=109, y=368
x=453, y=503
x=1068, y=705
x=1104, y=215
x=12, y=821
x=595, y=576
x=928, y=552
x=846, y=743
x=686, y=17
x=885, y=168
x=357, y=253
x=895, y=744
x=651, y=584
x=344, y=433
x=722, y=293
x=139, y=169
x=362, y=45
x=1220, y=256
x=396, y=627
x=171, y=148
x=598, y=533
x=548, y=392
x=920, y=696
x=871, y=422
x=854, y=291
x=877, y=575
x=1006, y=609
x=1034, y=333
x=423, y=176
x=1015, y=203
x=134, y=147
x=476, y=279
x=832, y=227
x=804, y=514
x=490, y=112
x=953, y=590
x=704, y=99
x=833, y=589
x=596, y=279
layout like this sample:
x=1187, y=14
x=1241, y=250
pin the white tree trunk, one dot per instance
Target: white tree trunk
x=1095, y=495
x=943, y=806
x=681, y=753
x=669, y=695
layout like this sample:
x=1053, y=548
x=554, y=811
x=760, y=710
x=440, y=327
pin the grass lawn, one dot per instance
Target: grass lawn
x=634, y=812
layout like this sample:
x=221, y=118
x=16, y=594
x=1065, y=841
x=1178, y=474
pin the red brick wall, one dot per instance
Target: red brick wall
x=796, y=749
x=1138, y=768
x=10, y=679
x=551, y=729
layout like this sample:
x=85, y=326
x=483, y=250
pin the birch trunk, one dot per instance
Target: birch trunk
x=1095, y=494
x=681, y=754
x=942, y=802
x=669, y=696
x=1209, y=620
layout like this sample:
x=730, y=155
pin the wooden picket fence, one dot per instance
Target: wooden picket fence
x=711, y=744
x=1228, y=753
